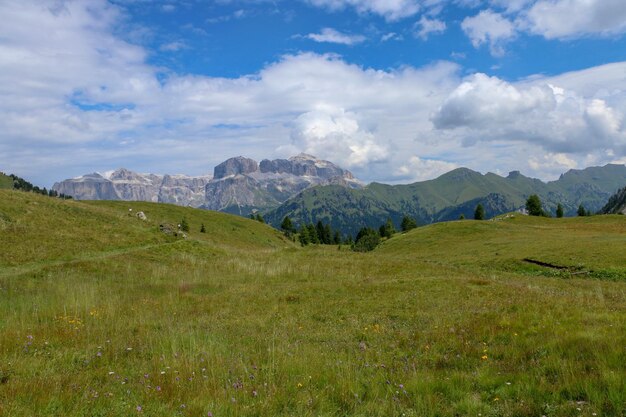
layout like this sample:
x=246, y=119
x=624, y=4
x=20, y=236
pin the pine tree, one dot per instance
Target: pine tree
x=202, y=228
x=328, y=234
x=303, y=235
x=259, y=218
x=287, y=227
x=479, y=213
x=462, y=216
x=337, y=238
x=407, y=224
x=581, y=211
x=533, y=206
x=387, y=230
x=184, y=226
x=559, y=211
x=313, y=236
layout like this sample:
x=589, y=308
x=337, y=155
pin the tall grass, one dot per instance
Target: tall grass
x=119, y=319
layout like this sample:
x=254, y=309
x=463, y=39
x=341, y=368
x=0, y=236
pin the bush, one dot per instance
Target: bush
x=366, y=240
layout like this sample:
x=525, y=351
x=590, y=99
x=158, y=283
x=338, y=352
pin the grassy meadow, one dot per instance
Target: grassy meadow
x=102, y=314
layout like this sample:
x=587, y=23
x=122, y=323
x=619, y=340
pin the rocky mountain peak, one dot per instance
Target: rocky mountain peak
x=234, y=166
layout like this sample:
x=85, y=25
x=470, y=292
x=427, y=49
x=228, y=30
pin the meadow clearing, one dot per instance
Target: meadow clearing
x=102, y=314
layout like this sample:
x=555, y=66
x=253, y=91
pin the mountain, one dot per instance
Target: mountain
x=616, y=204
x=239, y=185
x=123, y=184
x=447, y=197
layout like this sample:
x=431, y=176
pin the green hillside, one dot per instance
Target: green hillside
x=102, y=314
x=6, y=182
x=455, y=193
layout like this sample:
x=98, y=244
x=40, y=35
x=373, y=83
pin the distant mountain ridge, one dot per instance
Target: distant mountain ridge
x=307, y=189
x=239, y=185
x=447, y=197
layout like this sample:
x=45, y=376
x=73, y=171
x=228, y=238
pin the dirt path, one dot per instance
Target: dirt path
x=90, y=256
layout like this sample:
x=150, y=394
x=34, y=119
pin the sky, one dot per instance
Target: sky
x=396, y=91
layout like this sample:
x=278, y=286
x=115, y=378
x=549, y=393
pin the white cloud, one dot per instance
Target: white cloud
x=333, y=36
x=173, y=46
x=421, y=169
x=481, y=101
x=488, y=27
x=538, y=112
x=71, y=93
x=391, y=36
x=426, y=26
x=335, y=134
x=555, y=163
x=389, y=9
x=575, y=18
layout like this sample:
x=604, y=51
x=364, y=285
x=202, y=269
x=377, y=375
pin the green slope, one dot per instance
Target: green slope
x=448, y=196
x=6, y=182
x=103, y=315
x=38, y=229
x=590, y=246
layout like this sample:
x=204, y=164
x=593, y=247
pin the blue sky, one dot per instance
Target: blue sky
x=394, y=90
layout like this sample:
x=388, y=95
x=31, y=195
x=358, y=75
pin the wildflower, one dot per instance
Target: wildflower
x=254, y=393
x=484, y=357
x=158, y=388
x=139, y=408
x=111, y=372
x=209, y=414
x=299, y=385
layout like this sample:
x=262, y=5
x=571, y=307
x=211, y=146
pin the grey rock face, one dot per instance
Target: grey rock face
x=271, y=183
x=238, y=182
x=88, y=187
x=183, y=190
x=126, y=185
x=234, y=166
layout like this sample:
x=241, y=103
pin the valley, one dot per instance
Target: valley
x=103, y=314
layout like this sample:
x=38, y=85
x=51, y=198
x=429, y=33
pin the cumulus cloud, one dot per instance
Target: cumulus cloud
x=333, y=36
x=573, y=18
x=421, y=169
x=335, y=134
x=482, y=101
x=389, y=9
x=425, y=27
x=489, y=27
x=558, y=120
x=75, y=98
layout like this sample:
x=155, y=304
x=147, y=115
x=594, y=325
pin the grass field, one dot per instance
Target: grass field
x=101, y=314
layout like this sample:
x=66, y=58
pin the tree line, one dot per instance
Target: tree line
x=323, y=234
x=534, y=207
x=23, y=185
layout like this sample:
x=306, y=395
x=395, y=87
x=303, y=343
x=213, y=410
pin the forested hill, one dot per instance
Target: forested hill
x=448, y=197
